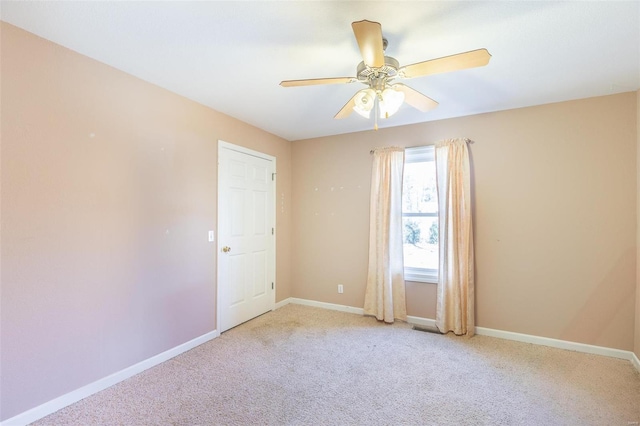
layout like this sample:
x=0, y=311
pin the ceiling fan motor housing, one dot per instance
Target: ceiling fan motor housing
x=377, y=77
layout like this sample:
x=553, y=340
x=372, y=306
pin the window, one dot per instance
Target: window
x=420, y=215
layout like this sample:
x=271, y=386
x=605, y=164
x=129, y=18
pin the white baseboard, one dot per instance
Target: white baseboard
x=555, y=343
x=350, y=309
x=500, y=334
x=324, y=305
x=74, y=396
x=345, y=308
x=635, y=361
x=282, y=303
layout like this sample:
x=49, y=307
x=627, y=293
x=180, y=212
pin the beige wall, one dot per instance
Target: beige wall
x=637, y=327
x=555, y=217
x=108, y=191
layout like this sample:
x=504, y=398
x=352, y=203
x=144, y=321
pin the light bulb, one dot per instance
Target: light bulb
x=390, y=102
x=364, y=101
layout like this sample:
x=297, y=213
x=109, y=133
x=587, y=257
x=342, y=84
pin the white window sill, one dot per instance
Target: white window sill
x=421, y=278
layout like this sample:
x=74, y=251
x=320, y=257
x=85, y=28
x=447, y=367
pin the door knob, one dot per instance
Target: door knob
x=226, y=249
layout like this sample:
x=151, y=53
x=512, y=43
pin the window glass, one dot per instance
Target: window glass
x=419, y=193
x=421, y=242
x=420, y=215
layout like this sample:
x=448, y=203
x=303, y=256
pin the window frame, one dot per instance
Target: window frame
x=420, y=154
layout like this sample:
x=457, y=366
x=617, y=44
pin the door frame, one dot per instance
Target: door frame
x=272, y=195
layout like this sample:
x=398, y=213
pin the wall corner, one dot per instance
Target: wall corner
x=637, y=311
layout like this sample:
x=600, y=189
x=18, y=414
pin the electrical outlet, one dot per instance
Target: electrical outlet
x=340, y=289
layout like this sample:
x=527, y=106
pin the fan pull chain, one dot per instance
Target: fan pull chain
x=375, y=122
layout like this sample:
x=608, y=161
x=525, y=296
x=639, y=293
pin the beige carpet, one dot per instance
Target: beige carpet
x=303, y=366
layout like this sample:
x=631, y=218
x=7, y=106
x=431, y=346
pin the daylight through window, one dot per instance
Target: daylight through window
x=420, y=215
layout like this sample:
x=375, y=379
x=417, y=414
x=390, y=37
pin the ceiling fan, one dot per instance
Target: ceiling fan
x=378, y=71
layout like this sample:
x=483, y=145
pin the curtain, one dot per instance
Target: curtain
x=455, y=310
x=385, y=292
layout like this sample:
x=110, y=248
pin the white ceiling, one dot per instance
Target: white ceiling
x=231, y=56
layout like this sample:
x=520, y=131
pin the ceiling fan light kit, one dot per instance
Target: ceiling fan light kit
x=377, y=71
x=388, y=102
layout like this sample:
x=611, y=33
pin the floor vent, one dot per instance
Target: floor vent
x=427, y=329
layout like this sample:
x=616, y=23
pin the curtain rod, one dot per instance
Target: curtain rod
x=467, y=140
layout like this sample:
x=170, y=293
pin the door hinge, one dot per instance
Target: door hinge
x=271, y=286
x=273, y=176
x=272, y=231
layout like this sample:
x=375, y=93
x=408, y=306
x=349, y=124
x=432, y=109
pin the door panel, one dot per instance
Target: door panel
x=236, y=278
x=259, y=274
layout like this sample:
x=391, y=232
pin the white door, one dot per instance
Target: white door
x=246, y=234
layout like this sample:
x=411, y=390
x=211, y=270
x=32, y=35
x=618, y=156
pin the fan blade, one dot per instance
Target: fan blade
x=474, y=58
x=347, y=109
x=369, y=37
x=314, y=81
x=415, y=98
